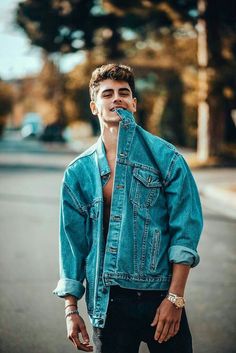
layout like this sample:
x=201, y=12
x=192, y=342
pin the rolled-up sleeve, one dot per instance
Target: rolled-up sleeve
x=72, y=246
x=185, y=213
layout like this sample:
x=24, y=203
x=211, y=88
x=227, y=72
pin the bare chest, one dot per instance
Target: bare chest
x=107, y=190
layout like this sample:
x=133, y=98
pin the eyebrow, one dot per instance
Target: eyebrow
x=110, y=90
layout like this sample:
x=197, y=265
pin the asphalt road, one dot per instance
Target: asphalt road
x=32, y=318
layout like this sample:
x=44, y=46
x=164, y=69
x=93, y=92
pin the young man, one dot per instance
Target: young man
x=130, y=224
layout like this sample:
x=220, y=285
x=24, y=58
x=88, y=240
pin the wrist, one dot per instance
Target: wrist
x=71, y=309
x=70, y=300
x=177, y=301
x=71, y=312
x=70, y=306
x=179, y=291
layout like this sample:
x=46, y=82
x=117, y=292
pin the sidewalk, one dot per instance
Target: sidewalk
x=220, y=197
x=217, y=191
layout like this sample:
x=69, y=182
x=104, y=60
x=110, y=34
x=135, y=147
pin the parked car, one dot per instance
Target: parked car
x=53, y=133
x=32, y=125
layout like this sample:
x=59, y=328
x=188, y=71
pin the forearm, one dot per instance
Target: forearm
x=70, y=300
x=179, y=279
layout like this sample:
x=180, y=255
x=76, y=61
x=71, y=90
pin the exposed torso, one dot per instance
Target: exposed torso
x=107, y=193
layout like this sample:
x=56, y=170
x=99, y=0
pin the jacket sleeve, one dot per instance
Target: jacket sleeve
x=72, y=246
x=185, y=213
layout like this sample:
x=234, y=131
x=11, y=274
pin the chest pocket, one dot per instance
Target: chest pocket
x=145, y=187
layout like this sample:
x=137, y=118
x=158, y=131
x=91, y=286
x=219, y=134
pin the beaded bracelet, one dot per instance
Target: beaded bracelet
x=71, y=312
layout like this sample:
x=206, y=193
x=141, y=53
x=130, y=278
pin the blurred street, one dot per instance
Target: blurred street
x=32, y=319
x=177, y=60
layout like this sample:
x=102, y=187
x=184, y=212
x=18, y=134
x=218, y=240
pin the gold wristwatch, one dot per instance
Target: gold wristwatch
x=179, y=302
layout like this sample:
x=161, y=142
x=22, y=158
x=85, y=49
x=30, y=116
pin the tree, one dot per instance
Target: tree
x=135, y=30
x=66, y=26
x=216, y=59
x=220, y=19
x=95, y=27
x=203, y=142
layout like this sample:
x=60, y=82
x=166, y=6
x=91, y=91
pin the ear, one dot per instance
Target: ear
x=134, y=105
x=93, y=108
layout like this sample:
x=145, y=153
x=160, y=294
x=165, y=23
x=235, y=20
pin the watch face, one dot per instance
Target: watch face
x=179, y=302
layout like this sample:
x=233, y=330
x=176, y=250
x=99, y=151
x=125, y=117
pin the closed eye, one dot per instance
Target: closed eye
x=107, y=95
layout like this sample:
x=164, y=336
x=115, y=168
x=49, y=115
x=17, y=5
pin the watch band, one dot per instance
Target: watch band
x=179, y=302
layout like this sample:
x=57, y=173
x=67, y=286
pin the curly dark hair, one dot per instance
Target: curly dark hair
x=115, y=72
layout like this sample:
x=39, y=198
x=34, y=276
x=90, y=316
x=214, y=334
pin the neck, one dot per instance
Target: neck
x=109, y=136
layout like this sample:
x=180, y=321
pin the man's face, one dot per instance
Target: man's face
x=111, y=95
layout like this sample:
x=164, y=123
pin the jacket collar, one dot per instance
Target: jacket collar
x=126, y=116
x=127, y=126
x=102, y=160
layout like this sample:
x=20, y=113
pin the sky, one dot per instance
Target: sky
x=17, y=57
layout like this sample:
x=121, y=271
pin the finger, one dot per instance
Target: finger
x=164, y=332
x=159, y=329
x=155, y=320
x=84, y=333
x=170, y=332
x=74, y=339
x=85, y=347
x=81, y=346
x=176, y=328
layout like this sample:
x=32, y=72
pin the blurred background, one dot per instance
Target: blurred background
x=183, y=54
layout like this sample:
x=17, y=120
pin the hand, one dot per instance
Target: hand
x=75, y=325
x=167, y=320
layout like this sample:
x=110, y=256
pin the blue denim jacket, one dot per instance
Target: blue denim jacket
x=155, y=219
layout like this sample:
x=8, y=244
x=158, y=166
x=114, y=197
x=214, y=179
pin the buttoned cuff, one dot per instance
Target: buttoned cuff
x=182, y=255
x=68, y=286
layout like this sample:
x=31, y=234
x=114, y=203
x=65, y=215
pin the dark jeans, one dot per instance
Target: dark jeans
x=129, y=316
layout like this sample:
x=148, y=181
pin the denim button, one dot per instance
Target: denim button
x=120, y=186
x=123, y=154
x=112, y=250
x=116, y=218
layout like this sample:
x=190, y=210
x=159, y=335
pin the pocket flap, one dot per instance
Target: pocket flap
x=94, y=211
x=147, y=177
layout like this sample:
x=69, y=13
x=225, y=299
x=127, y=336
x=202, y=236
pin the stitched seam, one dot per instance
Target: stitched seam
x=88, y=153
x=155, y=249
x=79, y=207
x=171, y=166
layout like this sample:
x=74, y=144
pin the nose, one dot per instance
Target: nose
x=117, y=98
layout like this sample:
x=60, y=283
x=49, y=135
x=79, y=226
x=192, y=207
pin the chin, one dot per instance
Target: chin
x=112, y=118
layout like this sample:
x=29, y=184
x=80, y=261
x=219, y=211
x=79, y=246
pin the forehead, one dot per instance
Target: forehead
x=112, y=85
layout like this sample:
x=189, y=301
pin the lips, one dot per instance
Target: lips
x=114, y=108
